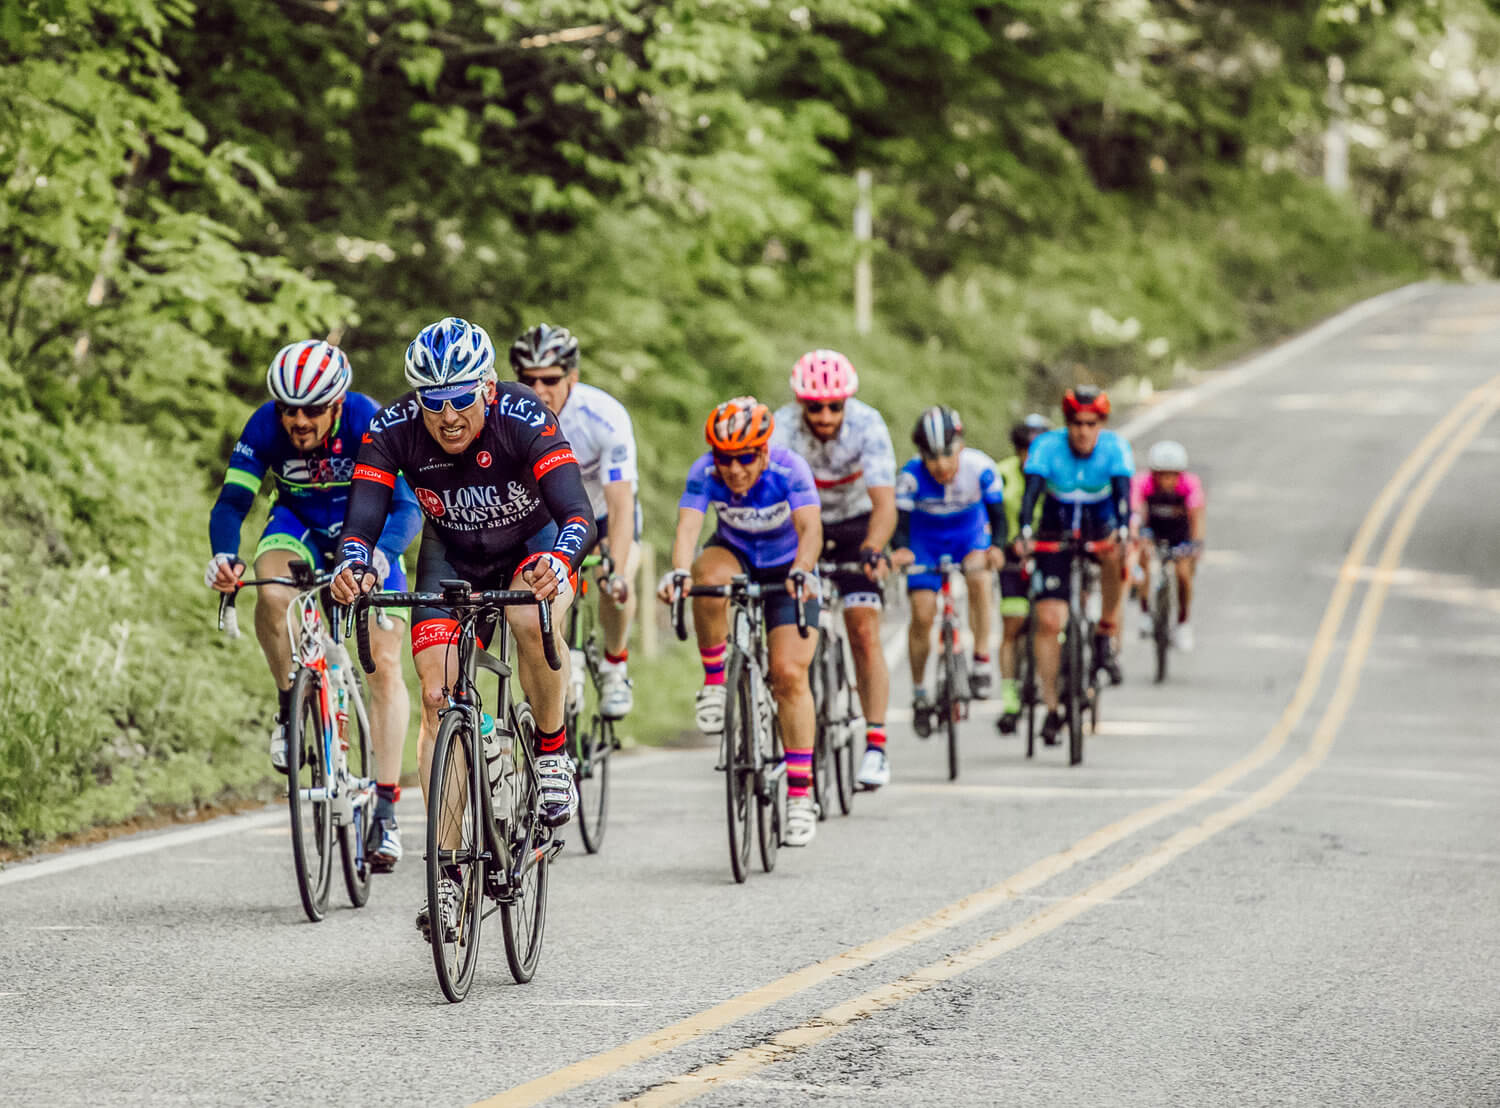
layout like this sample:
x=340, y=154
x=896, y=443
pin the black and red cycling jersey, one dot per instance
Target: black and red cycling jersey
x=515, y=478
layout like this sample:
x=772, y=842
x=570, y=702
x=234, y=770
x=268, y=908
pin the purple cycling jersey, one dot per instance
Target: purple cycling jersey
x=759, y=523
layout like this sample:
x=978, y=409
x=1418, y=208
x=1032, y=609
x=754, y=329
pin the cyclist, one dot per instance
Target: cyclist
x=1085, y=472
x=1168, y=505
x=598, y=427
x=848, y=448
x=306, y=437
x=505, y=508
x=1014, y=603
x=766, y=505
x=949, y=501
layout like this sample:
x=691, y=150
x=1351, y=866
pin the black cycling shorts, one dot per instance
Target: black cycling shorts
x=841, y=543
x=437, y=626
x=780, y=606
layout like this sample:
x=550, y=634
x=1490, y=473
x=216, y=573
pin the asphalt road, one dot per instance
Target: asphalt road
x=1275, y=879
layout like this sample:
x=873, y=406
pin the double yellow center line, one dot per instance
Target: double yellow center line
x=1437, y=451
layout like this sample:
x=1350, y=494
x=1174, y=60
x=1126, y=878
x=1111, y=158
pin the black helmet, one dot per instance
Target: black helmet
x=544, y=346
x=937, y=429
x=1029, y=428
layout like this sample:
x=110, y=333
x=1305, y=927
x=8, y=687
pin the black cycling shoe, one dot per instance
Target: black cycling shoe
x=1006, y=724
x=1105, y=660
x=921, y=717
x=1051, y=726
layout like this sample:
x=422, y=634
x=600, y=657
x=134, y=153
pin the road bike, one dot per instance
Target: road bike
x=951, y=704
x=484, y=818
x=838, y=708
x=591, y=737
x=1164, y=599
x=1080, y=663
x=751, y=752
x=330, y=762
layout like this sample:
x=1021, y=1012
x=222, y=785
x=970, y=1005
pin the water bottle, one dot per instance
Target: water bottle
x=340, y=703
x=496, y=753
x=577, y=668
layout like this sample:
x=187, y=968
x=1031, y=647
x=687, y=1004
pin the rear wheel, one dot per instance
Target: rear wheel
x=1161, y=615
x=1077, y=684
x=455, y=852
x=523, y=916
x=354, y=846
x=770, y=793
x=739, y=773
x=312, y=820
x=591, y=741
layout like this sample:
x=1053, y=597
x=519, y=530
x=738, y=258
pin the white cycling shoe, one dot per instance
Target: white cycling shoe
x=558, y=788
x=708, y=709
x=278, y=748
x=801, y=821
x=1182, y=637
x=874, y=769
x=615, y=696
x=450, y=900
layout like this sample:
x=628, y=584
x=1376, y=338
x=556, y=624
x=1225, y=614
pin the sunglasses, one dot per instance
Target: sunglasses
x=311, y=411
x=813, y=407
x=1083, y=423
x=551, y=381
x=747, y=459
x=462, y=399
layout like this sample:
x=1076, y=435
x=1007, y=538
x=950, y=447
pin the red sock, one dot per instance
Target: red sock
x=549, y=742
x=617, y=659
x=875, y=736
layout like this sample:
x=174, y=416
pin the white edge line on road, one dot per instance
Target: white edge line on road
x=144, y=843
x=892, y=643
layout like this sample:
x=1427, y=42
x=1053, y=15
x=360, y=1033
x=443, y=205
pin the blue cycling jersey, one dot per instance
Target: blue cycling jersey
x=759, y=523
x=312, y=485
x=1080, y=490
x=952, y=514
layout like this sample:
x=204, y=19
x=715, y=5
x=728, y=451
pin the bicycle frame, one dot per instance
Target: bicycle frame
x=953, y=679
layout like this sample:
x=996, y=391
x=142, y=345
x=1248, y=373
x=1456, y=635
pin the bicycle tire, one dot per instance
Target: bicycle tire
x=1026, y=682
x=1077, y=682
x=312, y=828
x=739, y=771
x=523, y=916
x=354, y=847
x=591, y=746
x=824, y=785
x=452, y=791
x=1161, y=613
x=770, y=801
x=948, y=703
x=843, y=752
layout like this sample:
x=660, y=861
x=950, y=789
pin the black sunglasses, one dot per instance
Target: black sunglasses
x=311, y=411
x=747, y=459
x=816, y=406
x=551, y=382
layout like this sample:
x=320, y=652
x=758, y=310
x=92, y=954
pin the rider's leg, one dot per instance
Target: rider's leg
x=871, y=677
x=271, y=603
x=1010, y=631
x=791, y=655
x=1186, y=570
x=919, y=634
x=615, y=618
x=390, y=704
x=543, y=686
x=980, y=581
x=1051, y=614
x=437, y=669
x=1145, y=579
x=1112, y=592
x=714, y=566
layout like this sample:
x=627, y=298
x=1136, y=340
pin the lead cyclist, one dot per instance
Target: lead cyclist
x=847, y=445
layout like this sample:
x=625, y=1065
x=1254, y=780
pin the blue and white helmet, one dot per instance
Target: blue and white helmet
x=310, y=372
x=451, y=351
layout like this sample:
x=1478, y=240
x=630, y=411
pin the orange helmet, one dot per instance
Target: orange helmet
x=1086, y=398
x=743, y=423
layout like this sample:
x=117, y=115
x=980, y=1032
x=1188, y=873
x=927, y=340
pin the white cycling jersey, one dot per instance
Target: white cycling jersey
x=859, y=457
x=598, y=429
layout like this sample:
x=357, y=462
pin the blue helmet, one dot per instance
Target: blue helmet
x=451, y=351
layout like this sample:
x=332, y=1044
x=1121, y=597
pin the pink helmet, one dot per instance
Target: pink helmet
x=824, y=375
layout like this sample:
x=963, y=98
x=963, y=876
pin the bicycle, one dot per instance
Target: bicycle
x=837, y=705
x=591, y=737
x=1078, y=680
x=323, y=792
x=484, y=823
x=751, y=754
x=1164, y=597
x=953, y=691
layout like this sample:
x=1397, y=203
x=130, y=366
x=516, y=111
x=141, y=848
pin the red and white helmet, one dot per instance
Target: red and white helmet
x=824, y=375
x=308, y=372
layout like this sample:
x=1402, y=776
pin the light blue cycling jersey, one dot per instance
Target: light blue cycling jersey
x=1078, y=488
x=946, y=516
x=759, y=524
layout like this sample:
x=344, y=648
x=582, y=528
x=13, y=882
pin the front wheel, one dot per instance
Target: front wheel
x=1078, y=680
x=739, y=763
x=948, y=704
x=455, y=853
x=307, y=774
x=523, y=915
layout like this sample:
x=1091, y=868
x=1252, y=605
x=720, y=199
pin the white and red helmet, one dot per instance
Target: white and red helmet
x=824, y=375
x=307, y=373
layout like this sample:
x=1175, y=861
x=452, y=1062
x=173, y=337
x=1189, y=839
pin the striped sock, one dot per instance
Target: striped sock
x=874, y=736
x=713, y=663
x=549, y=742
x=798, y=772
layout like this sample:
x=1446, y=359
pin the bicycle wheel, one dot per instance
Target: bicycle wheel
x=354, y=850
x=455, y=851
x=1161, y=614
x=1078, y=680
x=739, y=762
x=823, y=772
x=843, y=752
x=312, y=820
x=523, y=916
x=770, y=792
x=948, y=703
x=1026, y=683
x=591, y=740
